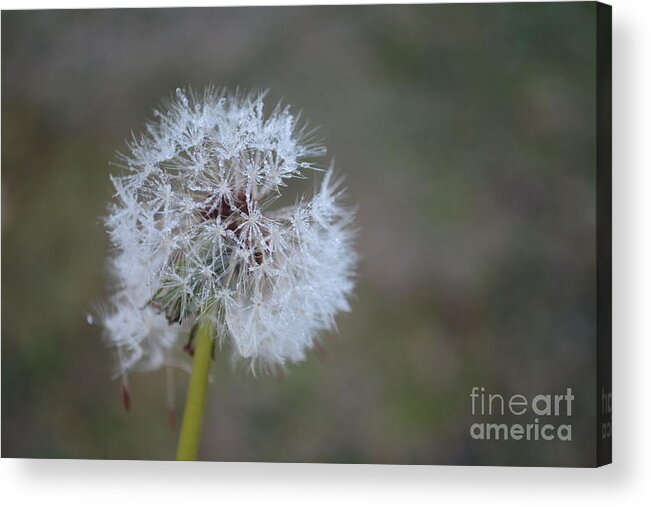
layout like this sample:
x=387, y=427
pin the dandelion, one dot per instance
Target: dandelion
x=201, y=248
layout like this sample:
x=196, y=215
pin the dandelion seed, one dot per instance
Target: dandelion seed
x=126, y=398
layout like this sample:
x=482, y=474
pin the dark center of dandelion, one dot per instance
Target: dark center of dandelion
x=229, y=212
x=223, y=209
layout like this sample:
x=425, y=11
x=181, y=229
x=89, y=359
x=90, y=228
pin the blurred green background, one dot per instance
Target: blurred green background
x=467, y=135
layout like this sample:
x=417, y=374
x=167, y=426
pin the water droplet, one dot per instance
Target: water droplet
x=90, y=319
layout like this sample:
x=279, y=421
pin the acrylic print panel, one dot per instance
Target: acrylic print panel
x=345, y=234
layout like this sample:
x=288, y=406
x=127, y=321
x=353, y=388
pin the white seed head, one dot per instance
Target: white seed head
x=196, y=235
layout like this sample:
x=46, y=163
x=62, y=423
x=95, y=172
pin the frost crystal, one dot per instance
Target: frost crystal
x=195, y=234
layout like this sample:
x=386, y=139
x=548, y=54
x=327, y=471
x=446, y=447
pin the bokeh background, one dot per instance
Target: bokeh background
x=467, y=135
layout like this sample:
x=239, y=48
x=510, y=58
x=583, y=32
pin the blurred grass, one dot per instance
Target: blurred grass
x=466, y=136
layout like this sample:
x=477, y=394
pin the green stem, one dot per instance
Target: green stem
x=196, y=398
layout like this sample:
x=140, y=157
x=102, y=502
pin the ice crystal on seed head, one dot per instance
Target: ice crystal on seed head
x=196, y=234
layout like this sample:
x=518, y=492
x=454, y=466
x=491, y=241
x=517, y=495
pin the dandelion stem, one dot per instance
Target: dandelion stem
x=196, y=397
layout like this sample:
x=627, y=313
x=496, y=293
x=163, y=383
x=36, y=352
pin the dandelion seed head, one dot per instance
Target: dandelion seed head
x=196, y=233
